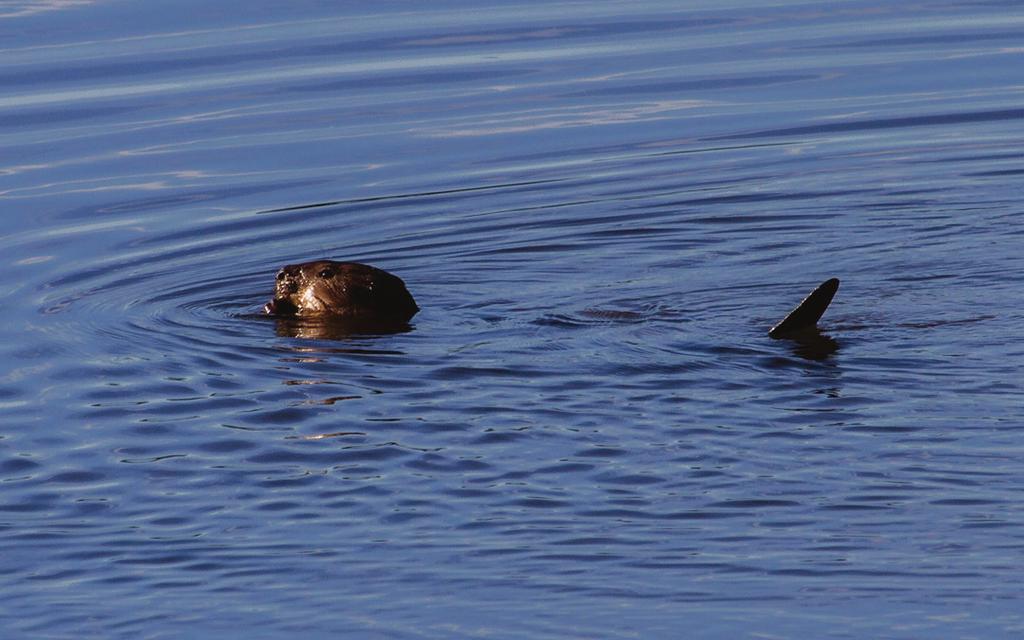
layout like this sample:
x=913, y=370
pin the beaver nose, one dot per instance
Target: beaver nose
x=286, y=282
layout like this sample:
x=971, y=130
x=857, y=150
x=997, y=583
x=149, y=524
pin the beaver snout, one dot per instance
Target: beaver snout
x=280, y=307
x=287, y=282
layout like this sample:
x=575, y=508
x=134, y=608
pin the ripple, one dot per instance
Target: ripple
x=931, y=120
x=77, y=477
x=587, y=411
x=17, y=466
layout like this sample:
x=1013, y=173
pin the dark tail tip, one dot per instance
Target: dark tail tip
x=807, y=313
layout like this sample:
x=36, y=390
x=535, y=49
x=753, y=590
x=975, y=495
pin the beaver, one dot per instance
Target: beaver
x=349, y=297
x=346, y=290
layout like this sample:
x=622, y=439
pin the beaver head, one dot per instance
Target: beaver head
x=326, y=288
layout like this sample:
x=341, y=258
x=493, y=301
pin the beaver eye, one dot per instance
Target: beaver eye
x=325, y=273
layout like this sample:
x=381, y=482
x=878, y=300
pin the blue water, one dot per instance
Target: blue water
x=600, y=207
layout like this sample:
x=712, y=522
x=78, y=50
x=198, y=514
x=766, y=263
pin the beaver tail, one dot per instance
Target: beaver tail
x=807, y=313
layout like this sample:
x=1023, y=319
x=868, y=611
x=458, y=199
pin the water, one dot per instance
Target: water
x=600, y=207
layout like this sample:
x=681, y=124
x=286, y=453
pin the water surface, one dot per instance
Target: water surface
x=601, y=208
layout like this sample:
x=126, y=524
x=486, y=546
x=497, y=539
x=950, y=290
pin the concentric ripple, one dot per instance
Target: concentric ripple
x=585, y=432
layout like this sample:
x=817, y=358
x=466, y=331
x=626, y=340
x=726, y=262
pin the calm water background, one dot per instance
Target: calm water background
x=600, y=207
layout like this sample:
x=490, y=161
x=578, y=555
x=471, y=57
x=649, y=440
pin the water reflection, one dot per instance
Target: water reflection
x=335, y=328
x=812, y=344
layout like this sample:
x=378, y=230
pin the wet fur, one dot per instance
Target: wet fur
x=326, y=288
